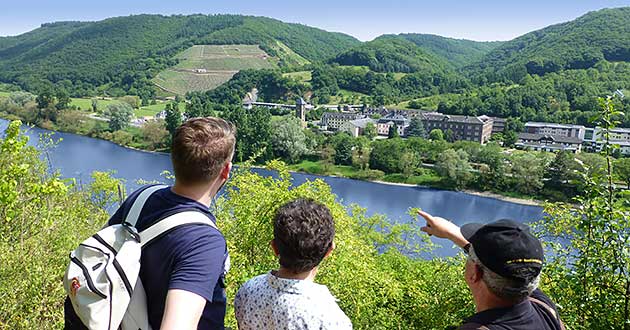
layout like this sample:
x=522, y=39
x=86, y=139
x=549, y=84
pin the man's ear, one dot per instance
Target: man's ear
x=330, y=250
x=225, y=172
x=477, y=273
x=274, y=248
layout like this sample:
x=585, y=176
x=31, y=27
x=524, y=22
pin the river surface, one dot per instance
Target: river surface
x=77, y=156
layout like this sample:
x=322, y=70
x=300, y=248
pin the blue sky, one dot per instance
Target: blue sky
x=476, y=20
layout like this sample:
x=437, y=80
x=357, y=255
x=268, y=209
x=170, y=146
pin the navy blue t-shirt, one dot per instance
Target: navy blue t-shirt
x=191, y=258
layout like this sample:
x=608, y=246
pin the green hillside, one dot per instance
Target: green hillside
x=578, y=44
x=204, y=67
x=390, y=53
x=459, y=52
x=123, y=54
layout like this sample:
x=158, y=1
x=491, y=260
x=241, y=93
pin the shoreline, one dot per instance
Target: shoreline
x=486, y=194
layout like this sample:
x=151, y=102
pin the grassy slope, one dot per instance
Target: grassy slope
x=221, y=62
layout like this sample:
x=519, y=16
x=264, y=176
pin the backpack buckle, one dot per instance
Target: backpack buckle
x=132, y=231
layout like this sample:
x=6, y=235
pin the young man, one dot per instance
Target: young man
x=288, y=298
x=183, y=271
x=502, y=272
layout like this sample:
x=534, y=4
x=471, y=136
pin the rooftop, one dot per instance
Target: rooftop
x=553, y=125
x=549, y=138
x=436, y=116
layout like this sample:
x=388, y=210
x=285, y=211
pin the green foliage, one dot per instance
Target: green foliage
x=288, y=139
x=454, y=167
x=122, y=54
x=254, y=133
x=173, y=117
x=377, y=291
x=43, y=218
x=392, y=54
x=416, y=128
x=589, y=260
x=119, y=115
x=343, y=144
x=458, y=52
x=370, y=131
x=622, y=169
x=578, y=44
x=436, y=135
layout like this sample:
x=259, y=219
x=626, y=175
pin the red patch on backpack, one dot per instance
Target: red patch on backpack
x=74, y=286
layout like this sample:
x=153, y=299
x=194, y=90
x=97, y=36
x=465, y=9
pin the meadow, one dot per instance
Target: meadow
x=219, y=62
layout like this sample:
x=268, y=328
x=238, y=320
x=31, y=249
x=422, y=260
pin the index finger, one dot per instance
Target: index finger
x=426, y=216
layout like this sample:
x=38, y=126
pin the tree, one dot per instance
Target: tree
x=622, y=168
x=119, y=115
x=408, y=163
x=416, y=128
x=94, y=103
x=510, y=138
x=173, y=117
x=288, y=139
x=132, y=100
x=449, y=136
x=63, y=99
x=453, y=166
x=527, y=172
x=393, y=131
x=386, y=155
x=370, y=131
x=561, y=170
x=154, y=133
x=343, y=144
x=436, y=135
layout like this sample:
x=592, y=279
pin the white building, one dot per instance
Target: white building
x=594, y=140
x=554, y=129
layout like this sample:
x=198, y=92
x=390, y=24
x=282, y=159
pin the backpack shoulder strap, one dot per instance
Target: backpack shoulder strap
x=547, y=308
x=136, y=207
x=176, y=220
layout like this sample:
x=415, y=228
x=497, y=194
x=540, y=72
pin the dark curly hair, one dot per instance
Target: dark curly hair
x=303, y=231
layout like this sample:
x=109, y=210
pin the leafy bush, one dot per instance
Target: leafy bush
x=42, y=219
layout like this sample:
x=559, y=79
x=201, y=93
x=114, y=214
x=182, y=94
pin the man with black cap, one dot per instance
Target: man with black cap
x=502, y=272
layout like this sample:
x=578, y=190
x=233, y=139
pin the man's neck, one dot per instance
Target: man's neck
x=486, y=301
x=289, y=274
x=201, y=193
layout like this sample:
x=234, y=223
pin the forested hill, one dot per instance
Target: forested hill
x=459, y=52
x=578, y=44
x=126, y=52
x=391, y=53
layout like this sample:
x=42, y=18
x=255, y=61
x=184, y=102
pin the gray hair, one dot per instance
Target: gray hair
x=503, y=287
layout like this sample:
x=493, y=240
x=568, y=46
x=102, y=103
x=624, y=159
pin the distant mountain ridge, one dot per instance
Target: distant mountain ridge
x=577, y=44
x=128, y=51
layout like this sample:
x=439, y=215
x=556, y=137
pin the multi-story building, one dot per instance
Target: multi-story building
x=383, y=124
x=357, y=126
x=554, y=129
x=498, y=124
x=332, y=121
x=546, y=142
x=467, y=128
x=594, y=139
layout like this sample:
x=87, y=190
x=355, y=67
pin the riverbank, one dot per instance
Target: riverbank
x=429, y=179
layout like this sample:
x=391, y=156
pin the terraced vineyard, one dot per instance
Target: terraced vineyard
x=204, y=67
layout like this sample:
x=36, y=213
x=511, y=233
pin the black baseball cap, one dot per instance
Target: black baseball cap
x=507, y=248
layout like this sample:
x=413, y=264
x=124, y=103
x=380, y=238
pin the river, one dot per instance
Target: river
x=77, y=156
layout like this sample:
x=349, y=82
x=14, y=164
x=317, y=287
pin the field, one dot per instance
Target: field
x=86, y=103
x=150, y=110
x=182, y=82
x=301, y=76
x=204, y=67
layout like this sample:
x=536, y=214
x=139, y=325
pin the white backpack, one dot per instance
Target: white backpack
x=102, y=279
